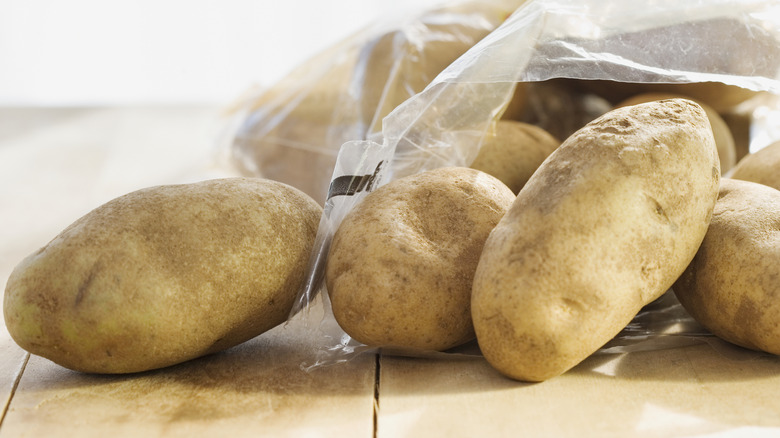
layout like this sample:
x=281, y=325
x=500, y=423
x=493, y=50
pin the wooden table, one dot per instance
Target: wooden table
x=57, y=164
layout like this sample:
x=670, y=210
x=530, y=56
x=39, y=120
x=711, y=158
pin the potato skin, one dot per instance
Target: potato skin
x=401, y=263
x=762, y=166
x=513, y=152
x=732, y=286
x=163, y=275
x=605, y=226
x=724, y=140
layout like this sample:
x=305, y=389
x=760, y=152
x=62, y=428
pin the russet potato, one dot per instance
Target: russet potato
x=724, y=140
x=732, y=286
x=401, y=264
x=762, y=166
x=164, y=274
x=605, y=226
x=513, y=152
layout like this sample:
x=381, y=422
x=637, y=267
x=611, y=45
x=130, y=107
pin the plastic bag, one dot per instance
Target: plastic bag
x=719, y=49
x=292, y=132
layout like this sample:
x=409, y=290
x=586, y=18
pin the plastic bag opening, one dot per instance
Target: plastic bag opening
x=721, y=52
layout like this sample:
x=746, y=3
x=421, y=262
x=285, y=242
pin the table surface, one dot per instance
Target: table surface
x=58, y=163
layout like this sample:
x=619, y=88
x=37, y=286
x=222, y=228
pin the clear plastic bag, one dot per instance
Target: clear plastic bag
x=724, y=52
x=293, y=131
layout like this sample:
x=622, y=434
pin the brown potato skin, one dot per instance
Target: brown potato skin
x=732, y=286
x=724, y=140
x=762, y=166
x=604, y=226
x=163, y=275
x=513, y=152
x=401, y=264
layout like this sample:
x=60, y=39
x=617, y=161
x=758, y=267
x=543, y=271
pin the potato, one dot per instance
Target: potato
x=513, y=152
x=731, y=287
x=724, y=140
x=762, y=166
x=163, y=275
x=605, y=226
x=401, y=264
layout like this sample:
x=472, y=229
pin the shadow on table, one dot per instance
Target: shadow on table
x=260, y=377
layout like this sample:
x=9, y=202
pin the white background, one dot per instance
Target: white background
x=92, y=52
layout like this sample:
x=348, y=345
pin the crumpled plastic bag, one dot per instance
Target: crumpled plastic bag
x=572, y=60
x=292, y=131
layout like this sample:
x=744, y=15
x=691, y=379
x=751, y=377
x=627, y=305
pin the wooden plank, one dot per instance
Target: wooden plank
x=667, y=393
x=12, y=362
x=257, y=389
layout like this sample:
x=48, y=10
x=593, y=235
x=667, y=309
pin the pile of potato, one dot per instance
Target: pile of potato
x=627, y=207
x=542, y=250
